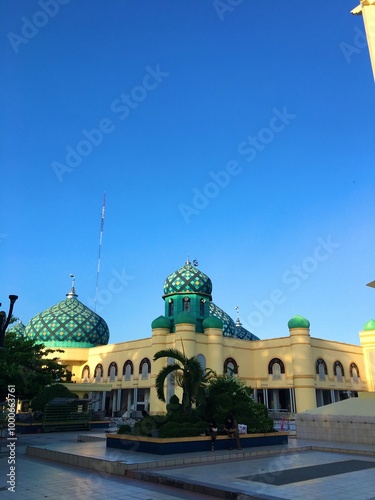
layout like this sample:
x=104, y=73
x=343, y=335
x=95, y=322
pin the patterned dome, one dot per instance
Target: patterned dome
x=230, y=328
x=18, y=329
x=188, y=279
x=68, y=324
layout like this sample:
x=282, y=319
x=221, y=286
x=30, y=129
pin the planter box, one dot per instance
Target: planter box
x=37, y=427
x=167, y=446
x=28, y=428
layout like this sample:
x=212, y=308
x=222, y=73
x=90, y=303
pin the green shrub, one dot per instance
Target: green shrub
x=181, y=417
x=48, y=393
x=174, y=400
x=124, y=429
x=174, y=429
x=145, y=426
x=225, y=395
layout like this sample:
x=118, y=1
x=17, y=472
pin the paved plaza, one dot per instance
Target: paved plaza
x=79, y=466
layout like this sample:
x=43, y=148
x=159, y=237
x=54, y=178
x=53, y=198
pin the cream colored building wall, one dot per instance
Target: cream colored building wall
x=368, y=345
x=298, y=352
x=345, y=353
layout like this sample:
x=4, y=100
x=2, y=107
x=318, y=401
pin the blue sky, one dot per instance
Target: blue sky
x=240, y=134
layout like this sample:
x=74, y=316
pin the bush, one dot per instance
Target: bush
x=124, y=429
x=181, y=417
x=174, y=429
x=226, y=394
x=48, y=393
x=147, y=425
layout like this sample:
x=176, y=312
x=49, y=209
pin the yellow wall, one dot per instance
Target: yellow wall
x=298, y=351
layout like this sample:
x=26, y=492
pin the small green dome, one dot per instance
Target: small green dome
x=161, y=322
x=370, y=325
x=185, y=317
x=188, y=279
x=212, y=322
x=298, y=322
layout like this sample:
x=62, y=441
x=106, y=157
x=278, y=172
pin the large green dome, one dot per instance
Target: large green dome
x=188, y=279
x=231, y=328
x=68, y=324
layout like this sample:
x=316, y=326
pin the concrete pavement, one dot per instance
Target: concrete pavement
x=59, y=466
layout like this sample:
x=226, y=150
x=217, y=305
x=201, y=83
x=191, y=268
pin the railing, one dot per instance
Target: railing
x=66, y=418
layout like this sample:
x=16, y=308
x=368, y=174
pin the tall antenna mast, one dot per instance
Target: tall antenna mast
x=100, y=250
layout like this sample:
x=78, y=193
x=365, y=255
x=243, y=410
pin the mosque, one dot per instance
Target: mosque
x=294, y=372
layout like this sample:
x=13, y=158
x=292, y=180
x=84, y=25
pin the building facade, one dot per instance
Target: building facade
x=295, y=372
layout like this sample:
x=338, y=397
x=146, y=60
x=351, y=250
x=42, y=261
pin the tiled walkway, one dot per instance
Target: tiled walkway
x=90, y=470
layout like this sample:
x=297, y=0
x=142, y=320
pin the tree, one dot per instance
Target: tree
x=23, y=364
x=187, y=373
x=226, y=394
x=48, y=394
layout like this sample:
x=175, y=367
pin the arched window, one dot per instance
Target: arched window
x=276, y=368
x=145, y=368
x=112, y=371
x=354, y=373
x=186, y=304
x=98, y=373
x=128, y=370
x=321, y=369
x=230, y=367
x=86, y=373
x=201, y=307
x=338, y=371
x=202, y=361
x=170, y=307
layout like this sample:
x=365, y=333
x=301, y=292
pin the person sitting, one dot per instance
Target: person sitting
x=231, y=428
x=212, y=431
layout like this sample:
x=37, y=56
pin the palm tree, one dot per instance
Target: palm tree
x=187, y=374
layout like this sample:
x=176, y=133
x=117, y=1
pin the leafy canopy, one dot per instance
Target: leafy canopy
x=186, y=373
x=48, y=394
x=23, y=363
x=228, y=394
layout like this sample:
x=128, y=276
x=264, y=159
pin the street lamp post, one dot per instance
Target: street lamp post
x=5, y=320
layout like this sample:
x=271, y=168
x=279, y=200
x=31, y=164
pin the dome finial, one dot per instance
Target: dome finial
x=238, y=322
x=72, y=292
x=187, y=263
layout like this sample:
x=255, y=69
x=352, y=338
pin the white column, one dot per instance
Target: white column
x=118, y=407
x=129, y=403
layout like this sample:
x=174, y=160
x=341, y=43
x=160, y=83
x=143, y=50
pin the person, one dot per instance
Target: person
x=212, y=431
x=231, y=428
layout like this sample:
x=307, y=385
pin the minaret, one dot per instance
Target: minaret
x=367, y=339
x=303, y=367
x=367, y=9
